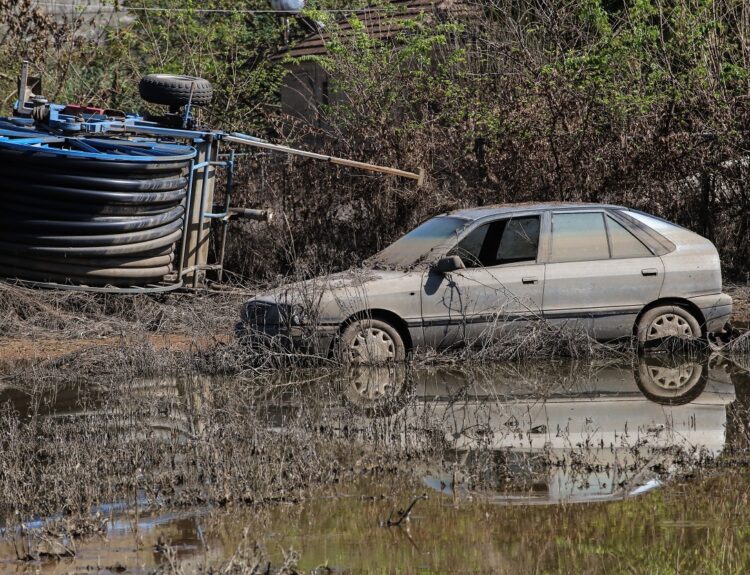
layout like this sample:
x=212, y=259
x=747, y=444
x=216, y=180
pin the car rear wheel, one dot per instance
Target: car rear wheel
x=671, y=380
x=376, y=391
x=371, y=341
x=664, y=322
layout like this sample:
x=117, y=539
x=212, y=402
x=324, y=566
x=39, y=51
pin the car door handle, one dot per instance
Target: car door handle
x=530, y=280
x=650, y=272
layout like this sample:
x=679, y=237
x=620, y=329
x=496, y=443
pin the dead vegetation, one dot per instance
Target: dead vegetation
x=32, y=313
x=539, y=339
x=69, y=448
x=741, y=295
x=249, y=558
x=73, y=336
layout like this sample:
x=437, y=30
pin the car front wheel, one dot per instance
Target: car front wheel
x=665, y=322
x=371, y=341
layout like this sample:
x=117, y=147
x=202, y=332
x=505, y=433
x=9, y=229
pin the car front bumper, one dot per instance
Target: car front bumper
x=308, y=340
x=716, y=310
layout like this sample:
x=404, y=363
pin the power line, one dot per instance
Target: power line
x=53, y=4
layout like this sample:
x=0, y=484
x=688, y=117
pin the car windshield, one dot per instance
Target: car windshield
x=412, y=248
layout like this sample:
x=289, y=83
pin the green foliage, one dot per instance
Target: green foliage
x=581, y=100
x=229, y=47
x=596, y=100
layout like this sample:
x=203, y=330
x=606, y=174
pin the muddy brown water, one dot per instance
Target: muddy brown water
x=612, y=466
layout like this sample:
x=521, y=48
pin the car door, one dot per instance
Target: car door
x=501, y=287
x=598, y=275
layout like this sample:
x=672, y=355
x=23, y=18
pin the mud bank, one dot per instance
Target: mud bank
x=39, y=326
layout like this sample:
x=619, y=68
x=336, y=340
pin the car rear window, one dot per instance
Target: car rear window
x=579, y=237
x=656, y=224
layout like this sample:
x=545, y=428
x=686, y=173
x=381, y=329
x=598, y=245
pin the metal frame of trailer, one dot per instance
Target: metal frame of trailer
x=38, y=124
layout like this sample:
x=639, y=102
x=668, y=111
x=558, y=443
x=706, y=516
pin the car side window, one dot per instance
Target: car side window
x=578, y=237
x=520, y=241
x=469, y=249
x=506, y=241
x=623, y=244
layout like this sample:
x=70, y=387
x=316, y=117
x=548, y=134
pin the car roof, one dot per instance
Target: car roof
x=499, y=209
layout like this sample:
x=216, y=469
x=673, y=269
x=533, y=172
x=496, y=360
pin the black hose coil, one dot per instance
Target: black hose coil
x=109, y=217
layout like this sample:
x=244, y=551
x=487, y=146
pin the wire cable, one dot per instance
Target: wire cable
x=53, y=4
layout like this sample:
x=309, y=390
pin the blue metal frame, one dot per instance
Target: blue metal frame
x=144, y=151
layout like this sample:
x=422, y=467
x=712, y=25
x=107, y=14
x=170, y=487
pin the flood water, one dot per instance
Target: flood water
x=624, y=465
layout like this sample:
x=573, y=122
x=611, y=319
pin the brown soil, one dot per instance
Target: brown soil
x=17, y=350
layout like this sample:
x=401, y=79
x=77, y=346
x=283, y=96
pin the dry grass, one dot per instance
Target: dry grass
x=249, y=558
x=28, y=313
x=70, y=447
x=537, y=340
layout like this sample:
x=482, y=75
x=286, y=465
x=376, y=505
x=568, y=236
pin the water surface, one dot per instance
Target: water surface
x=628, y=465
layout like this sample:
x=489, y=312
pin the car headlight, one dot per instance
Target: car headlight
x=259, y=313
x=297, y=315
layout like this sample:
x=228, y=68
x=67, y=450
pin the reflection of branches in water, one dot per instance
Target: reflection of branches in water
x=403, y=514
x=195, y=439
x=405, y=533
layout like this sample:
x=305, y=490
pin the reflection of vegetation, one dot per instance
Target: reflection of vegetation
x=254, y=440
x=685, y=529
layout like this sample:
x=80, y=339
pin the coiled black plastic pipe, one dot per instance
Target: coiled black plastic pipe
x=112, y=215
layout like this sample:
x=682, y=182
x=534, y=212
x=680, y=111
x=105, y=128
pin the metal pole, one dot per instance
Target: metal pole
x=249, y=141
x=202, y=194
x=22, y=82
x=186, y=218
x=225, y=222
x=205, y=193
x=186, y=116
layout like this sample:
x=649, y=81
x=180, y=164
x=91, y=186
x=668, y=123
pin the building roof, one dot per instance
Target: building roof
x=381, y=23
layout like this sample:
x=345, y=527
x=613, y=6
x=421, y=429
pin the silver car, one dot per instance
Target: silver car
x=471, y=275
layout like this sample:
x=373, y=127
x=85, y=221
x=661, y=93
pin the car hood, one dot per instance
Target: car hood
x=354, y=279
x=336, y=296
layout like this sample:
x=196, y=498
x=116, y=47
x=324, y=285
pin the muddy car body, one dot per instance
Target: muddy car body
x=474, y=274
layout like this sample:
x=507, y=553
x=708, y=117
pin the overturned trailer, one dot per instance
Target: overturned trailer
x=101, y=200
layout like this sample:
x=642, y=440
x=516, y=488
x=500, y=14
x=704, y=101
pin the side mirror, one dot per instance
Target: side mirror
x=449, y=264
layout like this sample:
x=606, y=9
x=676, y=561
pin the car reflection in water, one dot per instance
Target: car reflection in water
x=544, y=436
x=539, y=432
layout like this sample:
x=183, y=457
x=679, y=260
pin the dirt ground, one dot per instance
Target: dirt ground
x=18, y=350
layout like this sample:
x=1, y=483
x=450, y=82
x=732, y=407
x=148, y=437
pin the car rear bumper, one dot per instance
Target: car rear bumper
x=716, y=310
